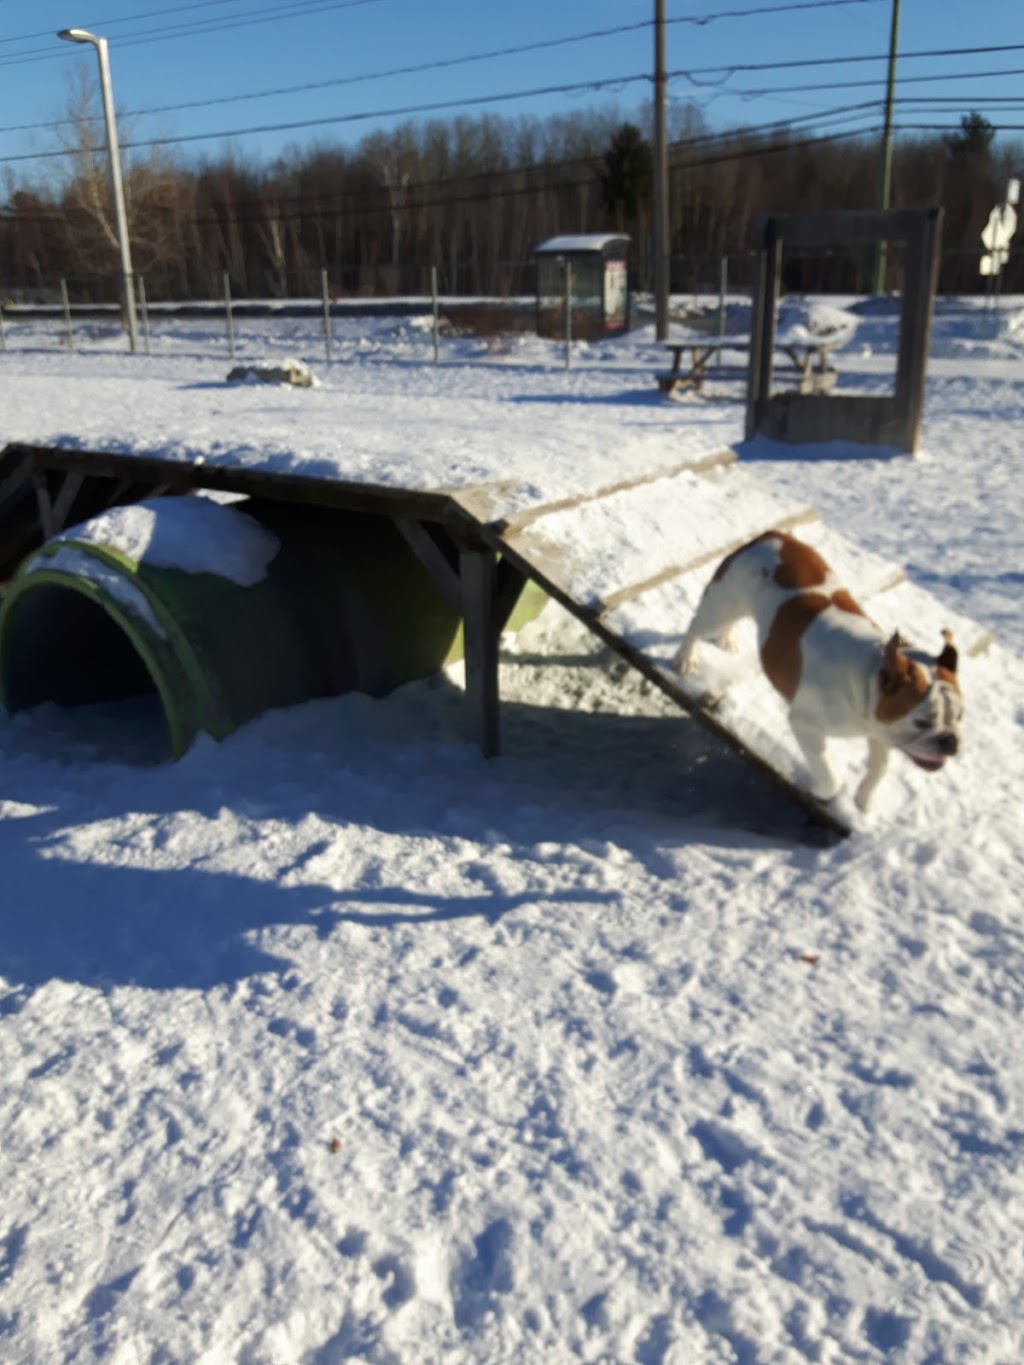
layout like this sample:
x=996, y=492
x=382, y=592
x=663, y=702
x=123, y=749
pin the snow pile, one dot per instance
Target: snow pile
x=194, y=535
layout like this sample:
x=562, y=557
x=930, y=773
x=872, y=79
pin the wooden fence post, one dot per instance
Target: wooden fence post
x=227, y=314
x=144, y=312
x=67, y=313
x=433, y=294
x=326, y=296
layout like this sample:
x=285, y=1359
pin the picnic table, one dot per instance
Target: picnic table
x=807, y=352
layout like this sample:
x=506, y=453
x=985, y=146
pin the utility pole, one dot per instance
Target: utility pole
x=885, y=168
x=661, y=261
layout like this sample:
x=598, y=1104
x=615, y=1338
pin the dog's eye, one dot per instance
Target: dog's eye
x=923, y=724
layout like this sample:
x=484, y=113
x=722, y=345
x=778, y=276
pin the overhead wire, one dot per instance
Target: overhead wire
x=197, y=28
x=506, y=96
x=162, y=12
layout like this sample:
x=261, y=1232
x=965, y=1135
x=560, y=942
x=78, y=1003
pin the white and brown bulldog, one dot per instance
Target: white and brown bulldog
x=837, y=670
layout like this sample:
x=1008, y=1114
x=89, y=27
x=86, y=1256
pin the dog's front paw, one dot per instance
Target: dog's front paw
x=841, y=808
x=683, y=661
x=728, y=642
x=824, y=786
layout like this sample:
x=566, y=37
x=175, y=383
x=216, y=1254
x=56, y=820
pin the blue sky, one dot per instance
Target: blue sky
x=185, y=69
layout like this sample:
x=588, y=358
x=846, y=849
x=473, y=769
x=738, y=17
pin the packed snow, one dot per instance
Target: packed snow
x=336, y=1041
x=198, y=537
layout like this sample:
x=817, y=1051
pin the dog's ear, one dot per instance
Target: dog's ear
x=948, y=658
x=894, y=666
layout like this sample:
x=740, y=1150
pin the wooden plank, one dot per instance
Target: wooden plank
x=604, y=547
x=520, y=520
x=616, y=599
x=855, y=227
x=433, y=559
x=311, y=489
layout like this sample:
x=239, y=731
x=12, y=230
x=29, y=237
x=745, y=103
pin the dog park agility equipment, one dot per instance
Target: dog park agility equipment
x=224, y=610
x=467, y=554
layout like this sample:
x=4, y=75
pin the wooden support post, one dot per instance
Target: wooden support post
x=921, y=273
x=478, y=574
x=46, y=519
x=764, y=344
x=69, y=490
x=433, y=558
x=756, y=342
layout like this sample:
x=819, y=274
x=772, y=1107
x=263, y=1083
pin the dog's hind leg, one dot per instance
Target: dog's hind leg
x=717, y=613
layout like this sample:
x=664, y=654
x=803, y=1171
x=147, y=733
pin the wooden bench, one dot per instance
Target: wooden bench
x=809, y=356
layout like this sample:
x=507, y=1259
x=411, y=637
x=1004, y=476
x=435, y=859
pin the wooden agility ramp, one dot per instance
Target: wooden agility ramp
x=629, y=560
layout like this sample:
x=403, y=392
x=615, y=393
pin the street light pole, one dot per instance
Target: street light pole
x=661, y=215
x=79, y=35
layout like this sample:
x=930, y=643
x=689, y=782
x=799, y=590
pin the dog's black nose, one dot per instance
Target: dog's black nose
x=949, y=744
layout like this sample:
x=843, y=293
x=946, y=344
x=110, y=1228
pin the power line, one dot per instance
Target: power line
x=945, y=77
x=296, y=125
x=292, y=209
x=732, y=68
x=443, y=63
x=475, y=101
x=110, y=23
x=756, y=92
x=201, y=27
x=288, y=210
x=398, y=112
x=316, y=205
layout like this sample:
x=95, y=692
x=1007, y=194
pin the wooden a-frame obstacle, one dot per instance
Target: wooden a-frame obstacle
x=637, y=599
x=892, y=419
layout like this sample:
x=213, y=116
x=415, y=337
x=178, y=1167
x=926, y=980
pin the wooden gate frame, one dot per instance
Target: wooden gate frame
x=892, y=420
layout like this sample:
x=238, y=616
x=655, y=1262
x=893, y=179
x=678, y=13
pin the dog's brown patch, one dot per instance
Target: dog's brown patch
x=799, y=566
x=781, y=655
x=845, y=602
x=902, y=685
x=727, y=562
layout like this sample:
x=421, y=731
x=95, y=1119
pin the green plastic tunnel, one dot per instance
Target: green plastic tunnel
x=223, y=612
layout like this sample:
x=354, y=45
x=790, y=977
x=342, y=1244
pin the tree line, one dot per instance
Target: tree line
x=471, y=198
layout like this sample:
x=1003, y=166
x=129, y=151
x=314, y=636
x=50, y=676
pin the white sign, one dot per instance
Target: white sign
x=996, y=236
x=1001, y=225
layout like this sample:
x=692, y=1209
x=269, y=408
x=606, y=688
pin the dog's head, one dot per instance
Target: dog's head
x=919, y=702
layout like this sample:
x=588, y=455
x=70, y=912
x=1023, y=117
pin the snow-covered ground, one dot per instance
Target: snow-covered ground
x=336, y=1041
